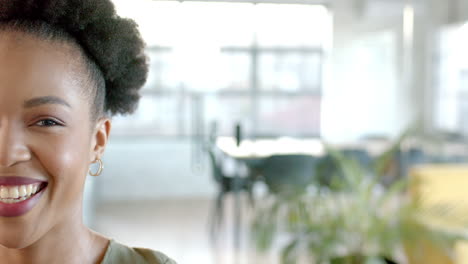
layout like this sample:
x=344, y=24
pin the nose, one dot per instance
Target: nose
x=12, y=146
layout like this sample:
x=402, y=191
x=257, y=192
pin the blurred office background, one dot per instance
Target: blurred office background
x=339, y=71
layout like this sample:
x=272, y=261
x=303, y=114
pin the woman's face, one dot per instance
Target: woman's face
x=46, y=135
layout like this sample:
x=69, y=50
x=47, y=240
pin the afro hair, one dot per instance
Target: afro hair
x=110, y=42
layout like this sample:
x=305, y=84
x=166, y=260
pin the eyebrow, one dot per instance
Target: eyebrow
x=37, y=101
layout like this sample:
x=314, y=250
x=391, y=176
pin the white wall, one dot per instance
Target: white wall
x=149, y=169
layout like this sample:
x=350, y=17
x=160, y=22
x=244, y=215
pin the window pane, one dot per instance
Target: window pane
x=234, y=71
x=450, y=79
x=291, y=25
x=290, y=72
x=219, y=24
x=153, y=18
x=162, y=72
x=156, y=115
x=201, y=68
x=170, y=70
x=227, y=111
x=289, y=116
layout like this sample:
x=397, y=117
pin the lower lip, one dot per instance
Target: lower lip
x=20, y=208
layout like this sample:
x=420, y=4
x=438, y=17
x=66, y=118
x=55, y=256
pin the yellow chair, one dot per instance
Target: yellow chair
x=443, y=185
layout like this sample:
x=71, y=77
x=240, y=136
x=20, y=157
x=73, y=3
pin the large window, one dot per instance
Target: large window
x=255, y=64
x=451, y=80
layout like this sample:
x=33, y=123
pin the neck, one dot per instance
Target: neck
x=69, y=241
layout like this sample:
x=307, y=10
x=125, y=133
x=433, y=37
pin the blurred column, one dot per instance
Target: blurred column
x=418, y=45
x=412, y=68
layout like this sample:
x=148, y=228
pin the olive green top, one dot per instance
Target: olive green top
x=117, y=253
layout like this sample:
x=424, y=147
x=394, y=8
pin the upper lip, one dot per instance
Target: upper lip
x=18, y=180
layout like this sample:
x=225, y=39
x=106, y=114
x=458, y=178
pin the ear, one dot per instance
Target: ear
x=100, y=138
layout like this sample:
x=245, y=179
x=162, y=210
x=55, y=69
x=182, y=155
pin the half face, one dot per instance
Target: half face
x=45, y=137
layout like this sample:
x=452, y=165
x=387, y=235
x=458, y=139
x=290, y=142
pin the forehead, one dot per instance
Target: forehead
x=31, y=67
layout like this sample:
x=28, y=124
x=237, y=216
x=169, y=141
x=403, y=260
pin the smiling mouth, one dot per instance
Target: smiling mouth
x=11, y=194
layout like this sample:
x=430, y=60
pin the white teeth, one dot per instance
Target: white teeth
x=10, y=201
x=22, y=191
x=29, y=189
x=6, y=200
x=34, y=188
x=4, y=192
x=14, y=193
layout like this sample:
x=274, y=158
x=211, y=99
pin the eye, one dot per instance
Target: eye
x=48, y=123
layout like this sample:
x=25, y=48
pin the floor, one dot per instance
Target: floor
x=180, y=229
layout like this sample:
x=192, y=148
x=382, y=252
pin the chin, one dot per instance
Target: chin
x=16, y=238
x=14, y=243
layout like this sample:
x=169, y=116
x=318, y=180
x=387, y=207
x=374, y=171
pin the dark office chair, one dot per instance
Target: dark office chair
x=359, y=155
x=410, y=158
x=329, y=172
x=226, y=184
x=289, y=174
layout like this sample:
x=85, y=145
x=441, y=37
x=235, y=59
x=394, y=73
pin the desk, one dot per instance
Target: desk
x=264, y=148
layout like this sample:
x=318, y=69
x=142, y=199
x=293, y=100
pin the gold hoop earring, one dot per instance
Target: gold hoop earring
x=98, y=172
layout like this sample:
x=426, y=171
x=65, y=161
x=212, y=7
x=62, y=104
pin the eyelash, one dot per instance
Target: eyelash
x=48, y=120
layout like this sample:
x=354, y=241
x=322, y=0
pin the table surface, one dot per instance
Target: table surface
x=262, y=148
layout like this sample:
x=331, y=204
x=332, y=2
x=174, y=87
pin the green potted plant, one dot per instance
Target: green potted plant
x=359, y=221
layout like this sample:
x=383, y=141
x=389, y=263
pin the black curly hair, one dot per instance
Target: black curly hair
x=112, y=46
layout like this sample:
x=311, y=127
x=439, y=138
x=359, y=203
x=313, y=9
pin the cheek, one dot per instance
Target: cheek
x=64, y=159
x=66, y=162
